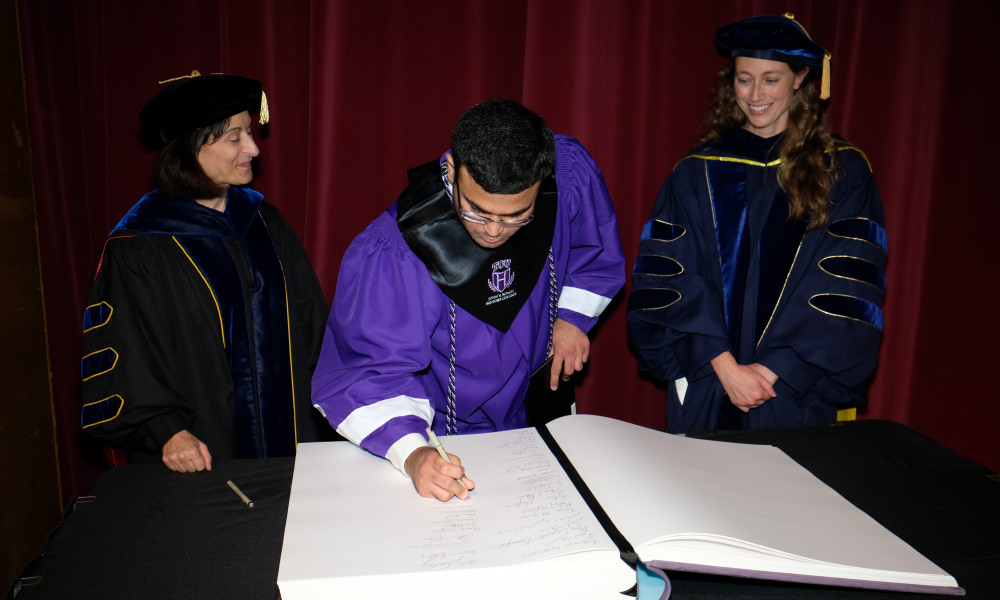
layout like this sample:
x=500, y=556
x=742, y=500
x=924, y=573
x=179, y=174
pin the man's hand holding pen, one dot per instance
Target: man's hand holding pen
x=434, y=477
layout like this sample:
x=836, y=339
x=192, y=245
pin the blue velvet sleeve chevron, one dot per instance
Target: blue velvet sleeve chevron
x=859, y=236
x=826, y=331
x=675, y=310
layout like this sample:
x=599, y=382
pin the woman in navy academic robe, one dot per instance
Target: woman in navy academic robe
x=758, y=287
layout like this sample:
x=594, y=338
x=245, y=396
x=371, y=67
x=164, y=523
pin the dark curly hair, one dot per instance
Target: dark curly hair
x=504, y=146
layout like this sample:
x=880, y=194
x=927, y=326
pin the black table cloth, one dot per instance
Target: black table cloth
x=153, y=534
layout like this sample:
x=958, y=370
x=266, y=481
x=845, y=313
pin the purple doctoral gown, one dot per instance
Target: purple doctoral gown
x=383, y=372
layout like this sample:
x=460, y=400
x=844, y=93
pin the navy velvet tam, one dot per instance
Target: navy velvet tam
x=197, y=101
x=776, y=37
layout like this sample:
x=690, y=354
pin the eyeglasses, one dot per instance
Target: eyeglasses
x=484, y=221
x=478, y=219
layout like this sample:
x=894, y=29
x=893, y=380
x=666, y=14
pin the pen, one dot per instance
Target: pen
x=437, y=446
x=240, y=493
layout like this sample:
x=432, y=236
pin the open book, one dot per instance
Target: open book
x=356, y=527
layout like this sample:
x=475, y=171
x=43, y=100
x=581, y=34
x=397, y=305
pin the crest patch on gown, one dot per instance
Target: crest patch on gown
x=503, y=276
x=480, y=280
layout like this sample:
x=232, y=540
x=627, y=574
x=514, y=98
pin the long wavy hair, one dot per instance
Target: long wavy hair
x=808, y=164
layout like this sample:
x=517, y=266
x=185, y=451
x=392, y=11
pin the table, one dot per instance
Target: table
x=153, y=534
x=148, y=533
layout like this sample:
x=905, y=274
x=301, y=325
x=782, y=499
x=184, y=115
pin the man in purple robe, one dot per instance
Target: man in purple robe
x=447, y=302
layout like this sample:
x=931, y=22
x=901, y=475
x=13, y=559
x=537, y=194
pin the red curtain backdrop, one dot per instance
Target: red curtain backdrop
x=361, y=91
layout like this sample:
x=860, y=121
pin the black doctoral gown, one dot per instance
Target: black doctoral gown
x=202, y=320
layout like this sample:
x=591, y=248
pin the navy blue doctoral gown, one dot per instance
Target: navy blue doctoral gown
x=720, y=268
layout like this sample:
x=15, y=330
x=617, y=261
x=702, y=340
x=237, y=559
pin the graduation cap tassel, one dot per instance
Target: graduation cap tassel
x=265, y=115
x=194, y=73
x=824, y=89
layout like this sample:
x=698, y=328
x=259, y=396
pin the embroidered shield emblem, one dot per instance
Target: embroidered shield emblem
x=502, y=276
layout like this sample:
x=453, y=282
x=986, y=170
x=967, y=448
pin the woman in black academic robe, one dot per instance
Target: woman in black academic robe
x=205, y=316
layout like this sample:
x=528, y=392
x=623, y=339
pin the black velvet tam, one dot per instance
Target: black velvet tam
x=771, y=37
x=199, y=101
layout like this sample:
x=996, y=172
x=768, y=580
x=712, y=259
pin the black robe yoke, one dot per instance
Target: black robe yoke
x=202, y=320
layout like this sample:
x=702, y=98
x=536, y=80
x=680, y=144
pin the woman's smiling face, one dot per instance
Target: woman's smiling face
x=764, y=91
x=227, y=160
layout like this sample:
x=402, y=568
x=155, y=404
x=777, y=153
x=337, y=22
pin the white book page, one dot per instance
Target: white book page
x=656, y=485
x=352, y=514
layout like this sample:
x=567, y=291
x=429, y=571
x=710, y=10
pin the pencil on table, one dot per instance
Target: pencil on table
x=240, y=493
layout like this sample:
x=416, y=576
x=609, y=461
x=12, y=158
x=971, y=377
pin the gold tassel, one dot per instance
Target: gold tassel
x=194, y=73
x=824, y=87
x=265, y=115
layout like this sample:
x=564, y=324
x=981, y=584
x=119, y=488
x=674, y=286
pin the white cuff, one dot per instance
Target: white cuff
x=583, y=302
x=365, y=419
x=401, y=450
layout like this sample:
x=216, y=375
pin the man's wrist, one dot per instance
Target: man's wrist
x=412, y=464
x=403, y=448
